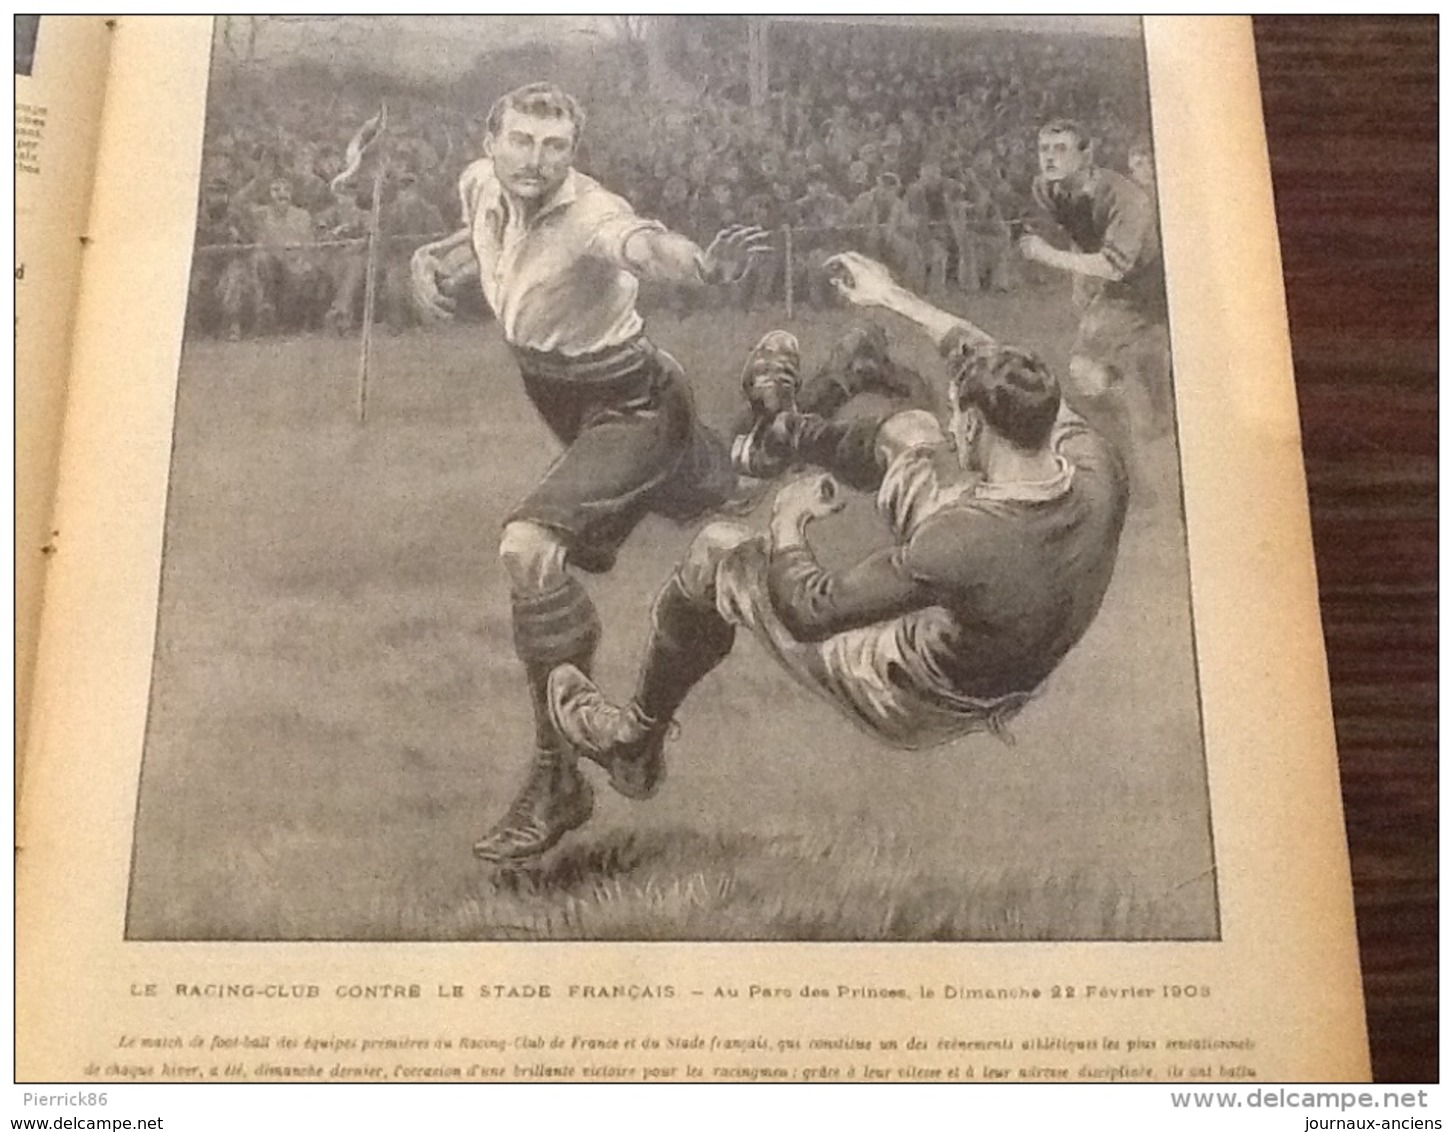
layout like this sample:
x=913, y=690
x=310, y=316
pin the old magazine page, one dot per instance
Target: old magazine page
x=683, y=548
x=60, y=79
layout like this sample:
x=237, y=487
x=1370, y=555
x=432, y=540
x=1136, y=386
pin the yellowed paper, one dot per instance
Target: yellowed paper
x=60, y=78
x=1254, y=976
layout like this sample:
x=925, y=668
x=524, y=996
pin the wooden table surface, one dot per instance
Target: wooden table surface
x=1352, y=124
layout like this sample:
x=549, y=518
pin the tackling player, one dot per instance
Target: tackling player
x=558, y=258
x=1006, y=526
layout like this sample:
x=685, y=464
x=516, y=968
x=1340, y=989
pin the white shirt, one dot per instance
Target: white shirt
x=559, y=282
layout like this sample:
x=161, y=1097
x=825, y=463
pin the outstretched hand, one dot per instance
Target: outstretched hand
x=861, y=281
x=730, y=254
x=1034, y=247
x=805, y=499
x=425, y=271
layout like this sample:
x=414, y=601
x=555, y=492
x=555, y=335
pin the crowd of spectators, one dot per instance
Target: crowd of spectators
x=918, y=148
x=277, y=249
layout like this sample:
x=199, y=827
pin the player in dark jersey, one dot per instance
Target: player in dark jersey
x=1006, y=525
x=1119, y=365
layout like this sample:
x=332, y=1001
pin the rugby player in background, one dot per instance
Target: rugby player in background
x=1119, y=372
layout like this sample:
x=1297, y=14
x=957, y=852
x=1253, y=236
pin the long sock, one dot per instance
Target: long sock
x=559, y=626
x=847, y=448
x=827, y=391
x=1109, y=415
x=688, y=640
x=823, y=394
x=904, y=383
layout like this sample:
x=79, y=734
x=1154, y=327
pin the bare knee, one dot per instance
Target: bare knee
x=912, y=428
x=705, y=554
x=533, y=556
x=1090, y=378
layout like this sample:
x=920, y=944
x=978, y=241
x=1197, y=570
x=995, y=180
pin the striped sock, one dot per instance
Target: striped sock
x=558, y=626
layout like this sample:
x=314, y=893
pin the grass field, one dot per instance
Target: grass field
x=337, y=712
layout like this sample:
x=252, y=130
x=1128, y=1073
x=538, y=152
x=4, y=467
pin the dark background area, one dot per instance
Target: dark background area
x=1352, y=125
x=27, y=28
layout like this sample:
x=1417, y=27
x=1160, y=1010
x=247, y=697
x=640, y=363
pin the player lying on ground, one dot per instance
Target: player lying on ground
x=1006, y=522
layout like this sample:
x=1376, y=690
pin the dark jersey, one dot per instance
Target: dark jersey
x=1020, y=569
x=1112, y=215
x=1016, y=570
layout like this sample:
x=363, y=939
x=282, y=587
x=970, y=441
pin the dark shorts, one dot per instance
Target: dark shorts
x=1122, y=330
x=633, y=446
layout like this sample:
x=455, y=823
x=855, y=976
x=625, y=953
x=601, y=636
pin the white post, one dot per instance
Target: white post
x=787, y=267
x=757, y=65
x=370, y=289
